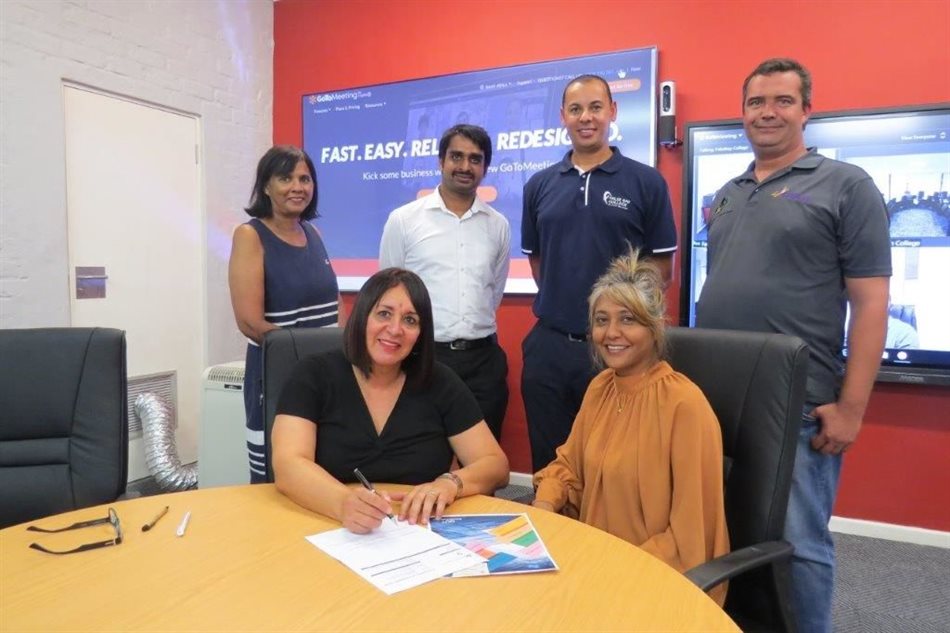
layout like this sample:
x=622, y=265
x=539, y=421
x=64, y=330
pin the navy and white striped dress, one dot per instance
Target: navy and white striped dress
x=300, y=290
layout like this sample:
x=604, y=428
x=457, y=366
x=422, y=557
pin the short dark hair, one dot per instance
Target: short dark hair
x=418, y=365
x=474, y=133
x=583, y=79
x=781, y=65
x=280, y=160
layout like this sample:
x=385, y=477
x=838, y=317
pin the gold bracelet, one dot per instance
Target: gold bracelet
x=456, y=479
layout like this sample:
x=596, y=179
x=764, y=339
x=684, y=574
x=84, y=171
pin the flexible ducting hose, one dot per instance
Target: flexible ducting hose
x=161, y=453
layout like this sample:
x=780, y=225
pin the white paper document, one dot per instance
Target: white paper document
x=395, y=557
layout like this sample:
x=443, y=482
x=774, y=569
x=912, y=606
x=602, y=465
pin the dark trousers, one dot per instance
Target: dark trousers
x=485, y=371
x=554, y=379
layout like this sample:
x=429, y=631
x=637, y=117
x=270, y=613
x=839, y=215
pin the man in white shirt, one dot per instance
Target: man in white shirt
x=459, y=246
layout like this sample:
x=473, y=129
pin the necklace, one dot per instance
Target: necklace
x=639, y=375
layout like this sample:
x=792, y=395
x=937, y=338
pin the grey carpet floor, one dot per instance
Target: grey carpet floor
x=885, y=586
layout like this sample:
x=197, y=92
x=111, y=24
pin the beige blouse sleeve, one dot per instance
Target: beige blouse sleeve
x=561, y=483
x=697, y=530
x=555, y=482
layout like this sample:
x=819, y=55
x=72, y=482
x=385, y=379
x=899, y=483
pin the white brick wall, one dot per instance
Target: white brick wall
x=213, y=58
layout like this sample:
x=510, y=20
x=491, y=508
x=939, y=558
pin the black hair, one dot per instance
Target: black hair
x=418, y=365
x=280, y=160
x=583, y=79
x=474, y=133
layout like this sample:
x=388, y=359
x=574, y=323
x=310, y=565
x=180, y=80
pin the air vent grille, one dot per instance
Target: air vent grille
x=227, y=373
x=162, y=384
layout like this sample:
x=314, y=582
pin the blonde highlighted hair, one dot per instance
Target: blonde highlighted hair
x=637, y=285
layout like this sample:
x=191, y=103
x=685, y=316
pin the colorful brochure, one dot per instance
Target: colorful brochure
x=508, y=543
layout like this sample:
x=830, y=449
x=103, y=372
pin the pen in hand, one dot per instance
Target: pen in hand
x=148, y=526
x=369, y=486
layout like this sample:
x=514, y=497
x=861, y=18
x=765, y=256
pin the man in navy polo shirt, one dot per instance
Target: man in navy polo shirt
x=578, y=215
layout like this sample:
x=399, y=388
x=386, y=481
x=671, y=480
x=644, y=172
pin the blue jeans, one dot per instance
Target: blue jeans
x=812, y=498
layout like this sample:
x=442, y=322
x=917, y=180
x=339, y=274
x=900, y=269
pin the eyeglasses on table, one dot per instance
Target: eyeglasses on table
x=113, y=518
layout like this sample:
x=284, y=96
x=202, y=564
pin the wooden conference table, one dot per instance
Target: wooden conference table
x=243, y=565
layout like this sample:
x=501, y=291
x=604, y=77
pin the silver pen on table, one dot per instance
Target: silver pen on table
x=369, y=486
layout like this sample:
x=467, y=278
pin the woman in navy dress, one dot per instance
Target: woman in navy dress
x=279, y=273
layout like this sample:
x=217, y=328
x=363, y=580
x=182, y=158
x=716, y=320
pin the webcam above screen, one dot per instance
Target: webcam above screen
x=906, y=151
x=376, y=147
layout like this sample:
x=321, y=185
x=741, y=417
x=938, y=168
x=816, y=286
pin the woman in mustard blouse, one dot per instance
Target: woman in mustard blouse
x=644, y=458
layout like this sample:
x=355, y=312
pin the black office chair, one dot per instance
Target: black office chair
x=282, y=348
x=64, y=432
x=756, y=385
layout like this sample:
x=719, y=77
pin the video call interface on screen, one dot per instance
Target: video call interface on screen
x=907, y=154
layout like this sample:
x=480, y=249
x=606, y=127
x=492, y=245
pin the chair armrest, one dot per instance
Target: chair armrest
x=718, y=570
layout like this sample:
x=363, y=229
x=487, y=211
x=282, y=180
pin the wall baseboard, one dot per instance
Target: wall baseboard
x=890, y=532
x=842, y=525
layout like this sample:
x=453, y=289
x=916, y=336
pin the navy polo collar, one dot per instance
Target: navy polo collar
x=611, y=165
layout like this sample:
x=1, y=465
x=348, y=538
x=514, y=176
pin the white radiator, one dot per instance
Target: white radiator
x=222, y=448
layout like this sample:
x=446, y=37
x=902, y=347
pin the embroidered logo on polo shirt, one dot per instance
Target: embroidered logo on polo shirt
x=721, y=208
x=786, y=193
x=616, y=201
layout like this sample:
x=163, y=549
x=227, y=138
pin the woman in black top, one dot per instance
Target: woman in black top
x=382, y=405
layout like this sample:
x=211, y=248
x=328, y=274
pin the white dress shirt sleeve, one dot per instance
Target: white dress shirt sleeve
x=502, y=263
x=392, y=249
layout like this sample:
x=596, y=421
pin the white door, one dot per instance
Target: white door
x=133, y=208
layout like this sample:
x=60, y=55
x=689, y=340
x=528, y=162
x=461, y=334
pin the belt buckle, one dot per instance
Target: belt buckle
x=458, y=345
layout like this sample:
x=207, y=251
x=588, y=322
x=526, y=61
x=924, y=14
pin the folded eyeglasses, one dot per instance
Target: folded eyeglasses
x=113, y=518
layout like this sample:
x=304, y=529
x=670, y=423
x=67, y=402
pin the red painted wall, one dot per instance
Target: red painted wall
x=869, y=54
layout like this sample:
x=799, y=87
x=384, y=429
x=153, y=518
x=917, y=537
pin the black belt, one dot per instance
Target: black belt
x=571, y=336
x=461, y=344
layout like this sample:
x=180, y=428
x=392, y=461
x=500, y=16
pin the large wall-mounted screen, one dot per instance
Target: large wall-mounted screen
x=376, y=147
x=906, y=152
